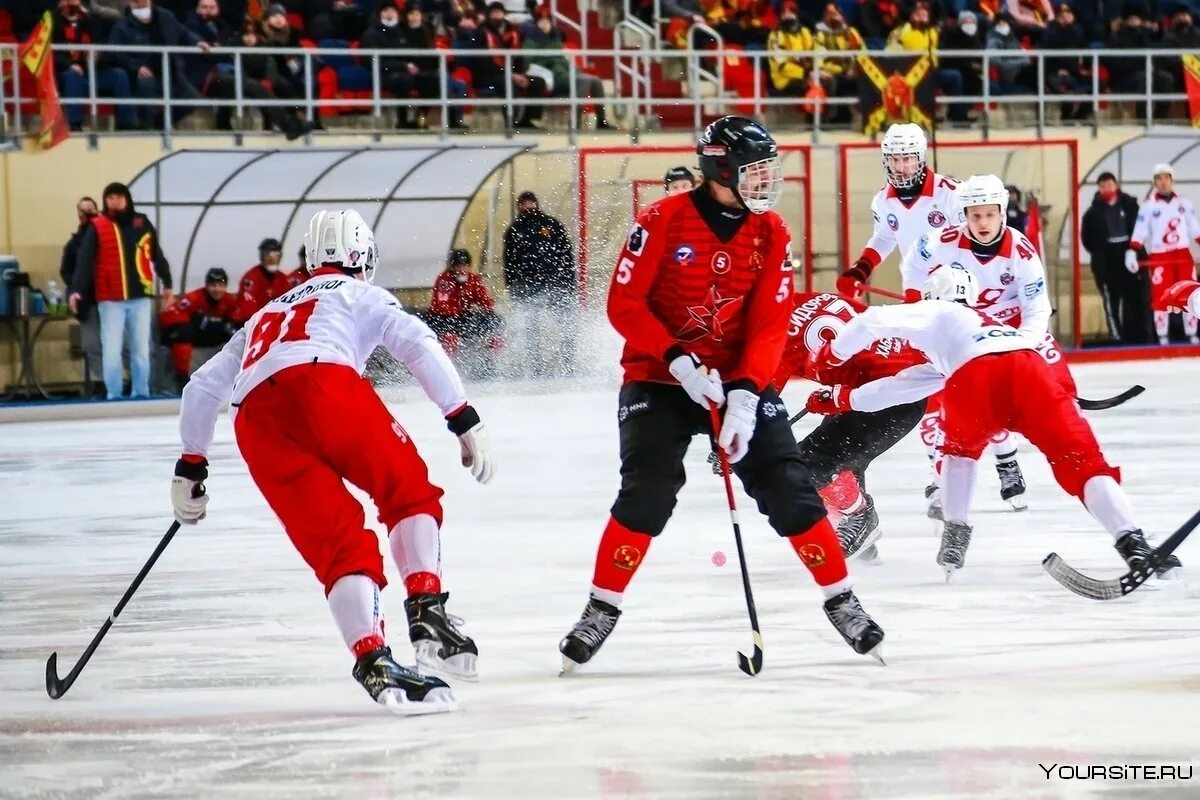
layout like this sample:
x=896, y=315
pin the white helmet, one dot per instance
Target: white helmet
x=951, y=282
x=341, y=239
x=983, y=190
x=1163, y=169
x=904, y=139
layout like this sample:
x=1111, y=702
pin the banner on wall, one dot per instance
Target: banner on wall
x=36, y=57
x=895, y=89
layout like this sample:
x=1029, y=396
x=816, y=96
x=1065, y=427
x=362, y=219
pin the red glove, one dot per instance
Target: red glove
x=823, y=359
x=912, y=296
x=835, y=400
x=849, y=283
x=1175, y=299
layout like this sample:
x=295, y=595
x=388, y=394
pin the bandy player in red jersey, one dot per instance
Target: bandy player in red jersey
x=1012, y=284
x=1179, y=298
x=306, y=420
x=914, y=202
x=701, y=294
x=995, y=381
x=1166, y=226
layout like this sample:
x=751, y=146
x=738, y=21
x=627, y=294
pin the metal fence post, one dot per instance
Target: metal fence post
x=239, y=107
x=510, y=119
x=444, y=82
x=166, y=98
x=575, y=111
x=1149, y=92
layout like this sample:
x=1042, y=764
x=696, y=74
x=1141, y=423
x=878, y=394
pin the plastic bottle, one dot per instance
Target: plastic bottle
x=54, y=298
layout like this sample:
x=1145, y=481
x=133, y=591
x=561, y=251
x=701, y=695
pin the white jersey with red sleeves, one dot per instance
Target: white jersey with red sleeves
x=949, y=334
x=1012, y=283
x=1165, y=225
x=899, y=223
x=330, y=319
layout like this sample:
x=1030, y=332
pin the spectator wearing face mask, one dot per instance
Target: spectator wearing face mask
x=73, y=25
x=1016, y=74
x=461, y=308
x=789, y=69
x=489, y=74
x=1181, y=33
x=965, y=35
x=263, y=282
x=1129, y=72
x=838, y=75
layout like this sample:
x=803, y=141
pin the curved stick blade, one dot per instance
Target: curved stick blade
x=54, y=686
x=752, y=665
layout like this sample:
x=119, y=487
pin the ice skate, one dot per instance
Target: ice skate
x=589, y=634
x=1134, y=548
x=859, y=531
x=956, y=538
x=1012, y=484
x=440, y=646
x=870, y=555
x=933, y=499
x=400, y=689
x=856, y=627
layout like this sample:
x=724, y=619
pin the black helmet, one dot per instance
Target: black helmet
x=216, y=275
x=739, y=154
x=457, y=257
x=270, y=245
x=678, y=174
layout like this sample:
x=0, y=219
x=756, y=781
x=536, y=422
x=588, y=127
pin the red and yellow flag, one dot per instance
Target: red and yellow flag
x=1191, y=79
x=36, y=57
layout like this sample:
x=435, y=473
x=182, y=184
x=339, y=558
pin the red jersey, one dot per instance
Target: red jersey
x=199, y=301
x=258, y=288
x=298, y=276
x=818, y=317
x=677, y=284
x=451, y=298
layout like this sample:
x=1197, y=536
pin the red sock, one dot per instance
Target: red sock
x=366, y=645
x=619, y=555
x=842, y=494
x=422, y=583
x=819, y=550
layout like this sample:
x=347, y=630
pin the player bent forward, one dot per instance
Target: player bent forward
x=306, y=420
x=702, y=289
x=995, y=381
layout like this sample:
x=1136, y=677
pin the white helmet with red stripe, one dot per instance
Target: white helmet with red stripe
x=341, y=239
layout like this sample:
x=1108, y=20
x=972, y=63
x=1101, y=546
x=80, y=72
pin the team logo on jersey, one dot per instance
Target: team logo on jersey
x=637, y=240
x=627, y=557
x=684, y=255
x=710, y=318
x=1006, y=278
x=923, y=247
x=893, y=223
x=936, y=219
x=1035, y=288
x=721, y=262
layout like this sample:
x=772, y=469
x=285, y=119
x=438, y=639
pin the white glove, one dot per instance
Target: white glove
x=701, y=384
x=737, y=429
x=473, y=443
x=1131, y=262
x=187, y=491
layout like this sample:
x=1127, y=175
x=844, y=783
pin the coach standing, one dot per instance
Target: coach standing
x=1105, y=231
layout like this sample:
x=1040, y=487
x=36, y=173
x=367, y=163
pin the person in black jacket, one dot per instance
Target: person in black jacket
x=74, y=25
x=1065, y=75
x=539, y=272
x=146, y=26
x=1129, y=72
x=1105, y=233
x=89, y=324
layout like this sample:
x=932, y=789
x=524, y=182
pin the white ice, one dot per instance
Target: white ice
x=226, y=678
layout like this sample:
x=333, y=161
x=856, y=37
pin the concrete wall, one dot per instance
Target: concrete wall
x=38, y=192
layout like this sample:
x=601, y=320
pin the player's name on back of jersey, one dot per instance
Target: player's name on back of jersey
x=305, y=290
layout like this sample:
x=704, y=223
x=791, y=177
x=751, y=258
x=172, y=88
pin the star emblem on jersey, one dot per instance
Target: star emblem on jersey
x=710, y=318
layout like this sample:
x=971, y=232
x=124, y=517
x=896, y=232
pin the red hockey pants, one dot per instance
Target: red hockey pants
x=305, y=430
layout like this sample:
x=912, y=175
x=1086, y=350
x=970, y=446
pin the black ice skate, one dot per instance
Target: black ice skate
x=933, y=497
x=1012, y=484
x=857, y=532
x=856, y=627
x=400, y=689
x=585, y=639
x=1134, y=548
x=440, y=646
x=956, y=538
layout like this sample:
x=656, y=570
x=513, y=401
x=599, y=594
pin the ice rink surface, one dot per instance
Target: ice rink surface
x=225, y=677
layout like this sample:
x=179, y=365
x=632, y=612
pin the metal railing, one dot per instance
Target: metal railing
x=631, y=67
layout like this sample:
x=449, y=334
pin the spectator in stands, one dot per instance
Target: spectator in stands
x=1029, y=17
x=336, y=19
x=879, y=18
x=964, y=35
x=1067, y=75
x=1018, y=217
x=544, y=35
x=539, y=272
x=918, y=35
x=289, y=69
x=489, y=73
x=1128, y=73
x=678, y=180
x=410, y=74
x=74, y=25
x=461, y=309
x=1181, y=34
x=119, y=258
x=1105, y=231
x=202, y=318
x=205, y=23
x=263, y=282
x=746, y=23
x=1013, y=72
x=789, y=70
x=681, y=16
x=146, y=26
x=89, y=323
x=838, y=75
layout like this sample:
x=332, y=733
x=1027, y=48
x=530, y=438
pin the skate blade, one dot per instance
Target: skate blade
x=437, y=701
x=867, y=547
x=870, y=556
x=462, y=666
x=949, y=570
x=1018, y=503
x=568, y=667
x=876, y=653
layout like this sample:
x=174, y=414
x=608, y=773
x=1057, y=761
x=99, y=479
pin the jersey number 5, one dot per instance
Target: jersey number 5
x=279, y=326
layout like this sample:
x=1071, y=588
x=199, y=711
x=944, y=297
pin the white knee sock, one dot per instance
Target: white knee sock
x=1162, y=321
x=1004, y=447
x=958, y=487
x=1104, y=499
x=354, y=601
x=416, y=546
